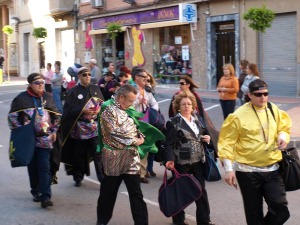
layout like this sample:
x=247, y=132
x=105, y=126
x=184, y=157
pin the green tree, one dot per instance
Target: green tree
x=259, y=18
x=113, y=30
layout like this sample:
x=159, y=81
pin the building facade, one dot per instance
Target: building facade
x=158, y=35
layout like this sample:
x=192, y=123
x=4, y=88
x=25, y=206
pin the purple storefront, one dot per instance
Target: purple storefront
x=154, y=39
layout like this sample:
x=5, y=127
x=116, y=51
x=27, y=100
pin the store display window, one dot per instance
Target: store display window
x=172, y=53
x=107, y=52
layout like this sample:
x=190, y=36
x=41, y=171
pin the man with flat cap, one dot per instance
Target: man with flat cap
x=79, y=128
x=95, y=71
x=38, y=105
x=250, y=143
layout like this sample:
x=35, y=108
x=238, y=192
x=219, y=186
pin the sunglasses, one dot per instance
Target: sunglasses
x=86, y=74
x=38, y=82
x=182, y=83
x=140, y=75
x=261, y=94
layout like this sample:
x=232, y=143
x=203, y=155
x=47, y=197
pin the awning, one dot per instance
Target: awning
x=104, y=31
x=162, y=24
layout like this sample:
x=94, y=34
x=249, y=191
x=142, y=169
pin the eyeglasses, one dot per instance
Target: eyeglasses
x=182, y=83
x=140, y=75
x=86, y=74
x=261, y=94
x=38, y=82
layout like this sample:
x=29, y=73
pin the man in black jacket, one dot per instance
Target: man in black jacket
x=79, y=128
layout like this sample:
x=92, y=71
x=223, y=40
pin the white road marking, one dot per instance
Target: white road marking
x=190, y=217
x=92, y=180
x=7, y=100
x=214, y=106
x=1, y=146
x=150, y=202
x=165, y=100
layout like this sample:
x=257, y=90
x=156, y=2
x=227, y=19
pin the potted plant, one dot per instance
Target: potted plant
x=113, y=30
x=259, y=18
x=39, y=33
x=8, y=30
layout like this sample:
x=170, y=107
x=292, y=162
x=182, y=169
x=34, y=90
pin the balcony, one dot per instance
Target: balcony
x=60, y=6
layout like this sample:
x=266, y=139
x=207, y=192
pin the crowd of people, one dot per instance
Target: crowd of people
x=103, y=119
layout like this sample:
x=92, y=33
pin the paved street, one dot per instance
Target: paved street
x=77, y=206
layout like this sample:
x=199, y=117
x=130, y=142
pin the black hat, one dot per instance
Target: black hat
x=256, y=85
x=34, y=76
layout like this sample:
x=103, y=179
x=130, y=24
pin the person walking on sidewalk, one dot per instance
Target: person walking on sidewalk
x=250, y=143
x=228, y=87
x=46, y=122
x=243, y=66
x=253, y=74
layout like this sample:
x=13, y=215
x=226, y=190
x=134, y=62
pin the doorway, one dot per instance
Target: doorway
x=223, y=45
x=225, y=40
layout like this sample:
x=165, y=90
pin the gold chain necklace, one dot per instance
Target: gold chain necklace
x=263, y=130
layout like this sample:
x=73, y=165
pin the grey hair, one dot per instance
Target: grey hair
x=125, y=90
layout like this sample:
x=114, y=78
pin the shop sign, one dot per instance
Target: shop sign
x=149, y=16
x=185, y=53
x=187, y=13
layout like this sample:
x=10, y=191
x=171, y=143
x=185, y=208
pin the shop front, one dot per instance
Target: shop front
x=157, y=39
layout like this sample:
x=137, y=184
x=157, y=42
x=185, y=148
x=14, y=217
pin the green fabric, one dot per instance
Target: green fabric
x=151, y=133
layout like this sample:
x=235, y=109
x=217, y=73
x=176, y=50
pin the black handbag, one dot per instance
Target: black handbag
x=211, y=170
x=290, y=168
x=178, y=192
x=22, y=144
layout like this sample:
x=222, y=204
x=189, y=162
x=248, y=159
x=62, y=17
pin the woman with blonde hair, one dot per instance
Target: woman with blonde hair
x=186, y=130
x=187, y=84
x=228, y=88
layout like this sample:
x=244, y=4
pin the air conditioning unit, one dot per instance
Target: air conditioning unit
x=97, y=3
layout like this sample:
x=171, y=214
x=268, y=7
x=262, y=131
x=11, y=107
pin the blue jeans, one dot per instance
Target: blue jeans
x=39, y=173
x=56, y=92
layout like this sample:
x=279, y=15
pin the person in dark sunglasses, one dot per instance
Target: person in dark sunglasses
x=250, y=144
x=187, y=84
x=80, y=128
x=38, y=106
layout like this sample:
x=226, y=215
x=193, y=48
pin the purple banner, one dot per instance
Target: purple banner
x=150, y=16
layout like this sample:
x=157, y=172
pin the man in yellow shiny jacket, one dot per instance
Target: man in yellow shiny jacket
x=250, y=143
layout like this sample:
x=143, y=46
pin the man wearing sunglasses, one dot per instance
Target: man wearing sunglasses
x=80, y=129
x=250, y=143
x=38, y=106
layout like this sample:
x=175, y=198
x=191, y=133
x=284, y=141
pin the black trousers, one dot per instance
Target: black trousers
x=83, y=152
x=202, y=204
x=228, y=107
x=108, y=195
x=268, y=185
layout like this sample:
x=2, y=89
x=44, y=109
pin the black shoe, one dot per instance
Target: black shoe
x=181, y=223
x=36, y=198
x=153, y=174
x=46, y=203
x=100, y=223
x=77, y=183
x=144, y=180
